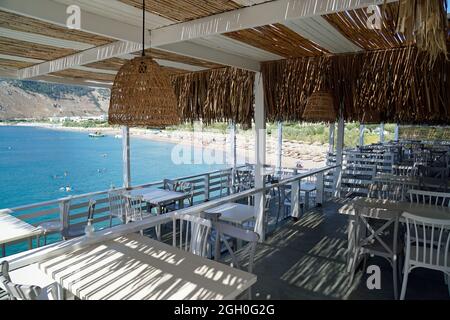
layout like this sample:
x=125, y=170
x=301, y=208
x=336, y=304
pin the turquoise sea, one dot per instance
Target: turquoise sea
x=35, y=163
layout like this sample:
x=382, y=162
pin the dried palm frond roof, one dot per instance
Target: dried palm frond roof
x=184, y=10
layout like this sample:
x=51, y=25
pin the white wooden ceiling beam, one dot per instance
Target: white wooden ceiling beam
x=78, y=59
x=254, y=16
x=197, y=51
x=55, y=13
x=321, y=32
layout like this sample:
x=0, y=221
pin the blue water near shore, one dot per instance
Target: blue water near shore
x=35, y=163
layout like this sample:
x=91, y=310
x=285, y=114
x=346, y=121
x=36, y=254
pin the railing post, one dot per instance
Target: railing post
x=319, y=188
x=295, y=199
x=64, y=208
x=126, y=156
x=206, y=186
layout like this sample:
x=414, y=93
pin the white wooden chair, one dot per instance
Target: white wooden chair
x=380, y=239
x=193, y=235
x=427, y=246
x=117, y=206
x=73, y=231
x=429, y=197
x=48, y=290
x=244, y=256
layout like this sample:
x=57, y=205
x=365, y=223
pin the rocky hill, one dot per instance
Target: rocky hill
x=39, y=100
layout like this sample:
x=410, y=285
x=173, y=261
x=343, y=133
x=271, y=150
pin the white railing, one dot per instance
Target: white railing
x=206, y=187
x=35, y=255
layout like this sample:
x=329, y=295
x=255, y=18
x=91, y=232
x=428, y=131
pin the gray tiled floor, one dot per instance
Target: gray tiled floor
x=306, y=260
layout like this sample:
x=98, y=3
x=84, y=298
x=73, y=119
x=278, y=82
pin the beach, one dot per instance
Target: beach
x=309, y=155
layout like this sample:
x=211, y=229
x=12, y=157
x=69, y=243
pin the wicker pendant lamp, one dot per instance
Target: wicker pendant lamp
x=320, y=107
x=142, y=94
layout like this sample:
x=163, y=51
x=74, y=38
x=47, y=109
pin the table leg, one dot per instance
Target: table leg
x=306, y=200
x=158, y=227
x=350, y=242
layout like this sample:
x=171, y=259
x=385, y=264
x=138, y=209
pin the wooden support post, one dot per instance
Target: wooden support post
x=279, y=153
x=396, y=132
x=339, y=156
x=331, y=138
x=260, y=156
x=361, y=135
x=206, y=183
x=126, y=156
x=295, y=199
x=319, y=188
x=233, y=153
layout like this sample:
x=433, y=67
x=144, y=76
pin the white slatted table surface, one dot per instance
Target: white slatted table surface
x=13, y=229
x=134, y=267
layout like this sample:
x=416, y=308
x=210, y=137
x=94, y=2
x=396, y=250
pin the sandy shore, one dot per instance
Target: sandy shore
x=217, y=145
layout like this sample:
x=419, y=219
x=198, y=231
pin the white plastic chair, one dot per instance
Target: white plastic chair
x=427, y=246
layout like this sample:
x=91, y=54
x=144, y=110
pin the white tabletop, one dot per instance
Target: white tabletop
x=157, y=196
x=307, y=186
x=134, y=267
x=234, y=212
x=12, y=228
x=384, y=209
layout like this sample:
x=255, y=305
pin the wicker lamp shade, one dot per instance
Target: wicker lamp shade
x=142, y=95
x=320, y=107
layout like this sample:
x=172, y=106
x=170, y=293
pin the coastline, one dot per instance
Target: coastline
x=309, y=155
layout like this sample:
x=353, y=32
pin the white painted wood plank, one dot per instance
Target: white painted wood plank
x=239, y=48
x=133, y=267
x=320, y=31
x=12, y=228
x=43, y=40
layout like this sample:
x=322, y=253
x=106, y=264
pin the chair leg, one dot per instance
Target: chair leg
x=395, y=274
x=405, y=281
x=353, y=267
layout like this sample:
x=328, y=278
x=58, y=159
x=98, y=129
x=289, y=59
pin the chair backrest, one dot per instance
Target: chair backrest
x=188, y=189
x=117, y=204
x=17, y=291
x=193, y=234
x=134, y=208
x=64, y=209
x=385, y=190
x=429, y=197
x=404, y=170
x=225, y=229
x=170, y=185
x=225, y=181
x=91, y=209
x=433, y=235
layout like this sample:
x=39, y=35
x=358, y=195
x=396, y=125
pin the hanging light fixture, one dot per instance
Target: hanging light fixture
x=142, y=94
x=320, y=107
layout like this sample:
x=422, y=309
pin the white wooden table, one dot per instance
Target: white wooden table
x=235, y=213
x=307, y=188
x=386, y=210
x=133, y=267
x=13, y=229
x=159, y=197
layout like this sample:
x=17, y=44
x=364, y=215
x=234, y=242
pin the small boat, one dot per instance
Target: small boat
x=96, y=135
